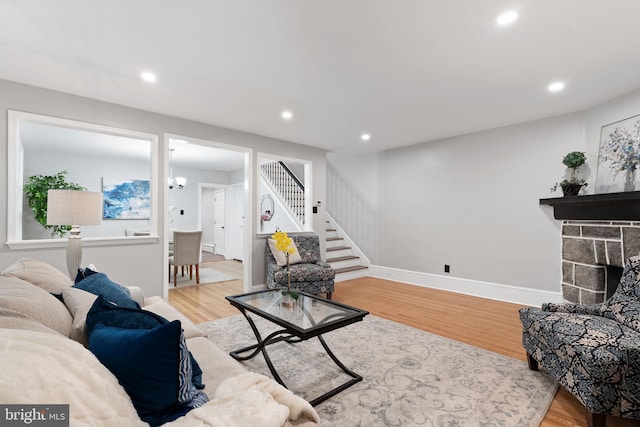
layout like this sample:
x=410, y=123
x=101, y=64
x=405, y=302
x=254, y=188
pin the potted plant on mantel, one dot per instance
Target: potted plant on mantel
x=572, y=186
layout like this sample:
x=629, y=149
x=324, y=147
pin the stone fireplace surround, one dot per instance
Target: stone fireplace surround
x=588, y=249
x=599, y=233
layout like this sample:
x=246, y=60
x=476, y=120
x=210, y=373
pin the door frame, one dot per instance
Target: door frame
x=248, y=211
x=213, y=186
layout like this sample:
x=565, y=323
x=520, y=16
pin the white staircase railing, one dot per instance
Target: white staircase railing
x=287, y=185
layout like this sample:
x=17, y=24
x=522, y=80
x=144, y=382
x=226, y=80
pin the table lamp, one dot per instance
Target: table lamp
x=75, y=208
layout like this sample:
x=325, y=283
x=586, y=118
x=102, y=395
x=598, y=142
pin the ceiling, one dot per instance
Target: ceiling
x=405, y=71
x=64, y=140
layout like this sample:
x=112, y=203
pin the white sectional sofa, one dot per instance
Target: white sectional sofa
x=44, y=360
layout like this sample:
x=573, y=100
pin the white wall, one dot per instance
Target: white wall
x=236, y=176
x=186, y=199
x=472, y=202
x=207, y=216
x=87, y=172
x=362, y=171
x=142, y=263
x=353, y=183
x=615, y=110
x=280, y=219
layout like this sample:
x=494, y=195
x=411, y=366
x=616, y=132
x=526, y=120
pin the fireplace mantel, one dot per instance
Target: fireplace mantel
x=608, y=206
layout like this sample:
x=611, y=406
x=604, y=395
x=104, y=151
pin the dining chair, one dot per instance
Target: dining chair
x=187, y=251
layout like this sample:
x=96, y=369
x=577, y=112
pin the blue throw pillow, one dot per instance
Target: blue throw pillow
x=145, y=362
x=100, y=284
x=107, y=314
x=83, y=273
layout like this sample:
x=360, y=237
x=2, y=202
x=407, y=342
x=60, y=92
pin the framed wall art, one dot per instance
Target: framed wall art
x=126, y=198
x=619, y=157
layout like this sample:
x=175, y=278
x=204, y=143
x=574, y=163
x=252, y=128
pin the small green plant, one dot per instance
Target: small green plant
x=573, y=161
x=35, y=190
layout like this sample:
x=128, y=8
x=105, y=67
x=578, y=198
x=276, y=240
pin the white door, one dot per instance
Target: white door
x=219, y=219
x=208, y=234
x=236, y=222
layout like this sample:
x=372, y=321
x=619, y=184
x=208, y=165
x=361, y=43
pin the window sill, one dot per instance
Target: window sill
x=86, y=242
x=289, y=233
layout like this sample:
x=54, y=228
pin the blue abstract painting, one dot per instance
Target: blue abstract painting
x=126, y=199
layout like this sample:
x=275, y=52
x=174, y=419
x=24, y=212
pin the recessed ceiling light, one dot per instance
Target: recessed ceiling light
x=365, y=137
x=556, y=87
x=148, y=76
x=287, y=115
x=507, y=18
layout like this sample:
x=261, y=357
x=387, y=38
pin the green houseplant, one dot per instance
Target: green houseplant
x=35, y=190
x=572, y=186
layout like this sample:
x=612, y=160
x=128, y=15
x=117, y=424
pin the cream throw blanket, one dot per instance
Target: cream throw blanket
x=44, y=368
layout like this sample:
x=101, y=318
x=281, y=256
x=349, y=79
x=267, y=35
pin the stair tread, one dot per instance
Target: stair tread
x=332, y=239
x=338, y=248
x=352, y=268
x=342, y=258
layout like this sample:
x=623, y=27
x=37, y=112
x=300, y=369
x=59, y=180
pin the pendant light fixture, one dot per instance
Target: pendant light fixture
x=179, y=180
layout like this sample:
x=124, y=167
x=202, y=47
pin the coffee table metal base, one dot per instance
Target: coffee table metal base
x=284, y=335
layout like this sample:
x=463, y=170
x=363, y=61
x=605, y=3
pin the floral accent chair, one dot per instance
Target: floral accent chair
x=312, y=275
x=593, y=350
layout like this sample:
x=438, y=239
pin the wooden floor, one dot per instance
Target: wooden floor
x=483, y=323
x=206, y=302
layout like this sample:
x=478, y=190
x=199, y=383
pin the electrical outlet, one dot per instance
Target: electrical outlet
x=446, y=268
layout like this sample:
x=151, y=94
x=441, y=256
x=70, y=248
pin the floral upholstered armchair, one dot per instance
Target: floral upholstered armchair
x=311, y=275
x=592, y=350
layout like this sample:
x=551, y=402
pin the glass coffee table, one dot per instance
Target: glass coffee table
x=308, y=317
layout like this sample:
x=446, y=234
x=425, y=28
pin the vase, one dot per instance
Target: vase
x=630, y=180
x=288, y=273
x=569, y=190
x=287, y=300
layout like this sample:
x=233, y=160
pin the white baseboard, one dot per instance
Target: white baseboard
x=208, y=247
x=349, y=275
x=494, y=291
x=256, y=288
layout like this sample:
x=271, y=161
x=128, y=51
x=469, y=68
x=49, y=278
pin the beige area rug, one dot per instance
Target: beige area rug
x=207, y=275
x=411, y=377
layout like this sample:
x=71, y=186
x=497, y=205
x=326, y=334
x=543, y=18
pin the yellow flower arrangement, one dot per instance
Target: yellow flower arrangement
x=285, y=244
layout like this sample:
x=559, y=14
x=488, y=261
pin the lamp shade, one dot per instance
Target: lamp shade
x=74, y=207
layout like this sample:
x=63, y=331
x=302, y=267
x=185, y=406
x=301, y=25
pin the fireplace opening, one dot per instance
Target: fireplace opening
x=614, y=274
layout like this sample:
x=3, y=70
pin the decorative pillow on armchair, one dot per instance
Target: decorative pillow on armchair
x=281, y=258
